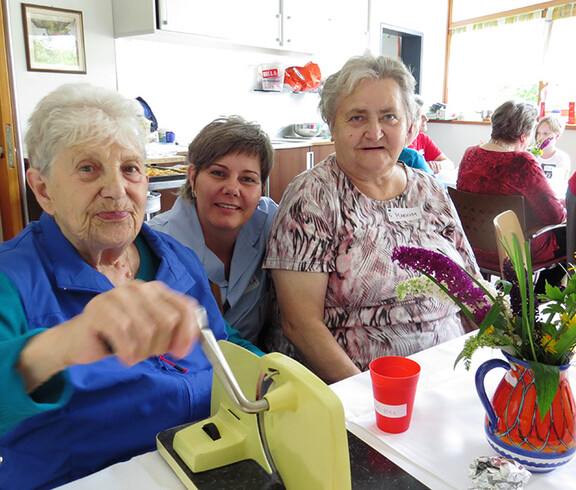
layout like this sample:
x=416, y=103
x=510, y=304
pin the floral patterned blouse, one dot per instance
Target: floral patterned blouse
x=515, y=172
x=325, y=224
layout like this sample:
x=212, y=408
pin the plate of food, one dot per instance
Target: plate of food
x=157, y=173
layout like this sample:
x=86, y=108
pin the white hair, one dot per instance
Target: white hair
x=77, y=114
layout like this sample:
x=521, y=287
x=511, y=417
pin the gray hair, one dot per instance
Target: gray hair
x=418, y=108
x=224, y=136
x=77, y=114
x=359, y=68
x=555, y=123
x=513, y=119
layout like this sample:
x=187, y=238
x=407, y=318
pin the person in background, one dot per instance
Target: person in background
x=555, y=162
x=409, y=156
x=97, y=320
x=502, y=166
x=222, y=215
x=334, y=233
x=424, y=145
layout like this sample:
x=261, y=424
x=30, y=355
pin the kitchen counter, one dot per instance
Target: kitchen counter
x=171, y=160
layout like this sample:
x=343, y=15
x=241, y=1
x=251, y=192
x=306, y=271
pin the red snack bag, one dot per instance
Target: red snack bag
x=305, y=77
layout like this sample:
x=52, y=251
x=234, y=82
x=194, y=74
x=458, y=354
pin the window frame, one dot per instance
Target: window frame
x=544, y=6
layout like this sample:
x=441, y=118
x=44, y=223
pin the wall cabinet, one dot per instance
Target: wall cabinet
x=295, y=25
x=289, y=162
x=248, y=21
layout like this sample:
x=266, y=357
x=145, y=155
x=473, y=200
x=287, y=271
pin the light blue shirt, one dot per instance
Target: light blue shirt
x=246, y=294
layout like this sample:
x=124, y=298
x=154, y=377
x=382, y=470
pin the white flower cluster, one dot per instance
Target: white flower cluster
x=421, y=285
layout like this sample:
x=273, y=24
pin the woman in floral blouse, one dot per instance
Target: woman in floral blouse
x=337, y=225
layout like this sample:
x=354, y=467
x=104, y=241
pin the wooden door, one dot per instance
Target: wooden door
x=10, y=196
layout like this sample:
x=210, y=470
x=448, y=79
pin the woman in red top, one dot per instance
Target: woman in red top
x=503, y=167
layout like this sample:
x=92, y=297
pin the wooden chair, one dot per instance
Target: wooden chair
x=506, y=225
x=477, y=213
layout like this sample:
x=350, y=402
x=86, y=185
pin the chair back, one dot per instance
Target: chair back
x=506, y=225
x=477, y=213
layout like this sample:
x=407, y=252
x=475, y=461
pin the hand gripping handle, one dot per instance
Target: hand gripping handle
x=222, y=368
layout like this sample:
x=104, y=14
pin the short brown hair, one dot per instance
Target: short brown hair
x=224, y=136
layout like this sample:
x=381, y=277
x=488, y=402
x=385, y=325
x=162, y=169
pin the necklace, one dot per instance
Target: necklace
x=499, y=143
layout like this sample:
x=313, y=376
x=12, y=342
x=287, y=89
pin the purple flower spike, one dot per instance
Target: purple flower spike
x=546, y=142
x=446, y=272
x=509, y=274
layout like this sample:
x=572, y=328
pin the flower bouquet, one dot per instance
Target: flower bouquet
x=507, y=313
x=538, y=148
x=537, y=340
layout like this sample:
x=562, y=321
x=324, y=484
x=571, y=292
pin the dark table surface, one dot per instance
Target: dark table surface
x=369, y=469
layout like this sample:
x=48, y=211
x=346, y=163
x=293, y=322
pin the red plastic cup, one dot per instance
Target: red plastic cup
x=394, y=381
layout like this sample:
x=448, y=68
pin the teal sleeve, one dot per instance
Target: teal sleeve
x=235, y=337
x=15, y=403
x=423, y=164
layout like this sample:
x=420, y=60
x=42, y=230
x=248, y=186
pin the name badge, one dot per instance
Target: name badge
x=403, y=214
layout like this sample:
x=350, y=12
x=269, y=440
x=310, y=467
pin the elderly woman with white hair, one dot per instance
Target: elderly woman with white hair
x=97, y=324
x=338, y=223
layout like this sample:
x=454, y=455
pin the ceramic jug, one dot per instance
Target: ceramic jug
x=513, y=425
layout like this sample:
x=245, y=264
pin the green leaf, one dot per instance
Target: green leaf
x=493, y=313
x=553, y=293
x=565, y=342
x=547, y=379
x=506, y=286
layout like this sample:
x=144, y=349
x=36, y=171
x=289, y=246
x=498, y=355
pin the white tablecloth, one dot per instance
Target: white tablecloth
x=447, y=429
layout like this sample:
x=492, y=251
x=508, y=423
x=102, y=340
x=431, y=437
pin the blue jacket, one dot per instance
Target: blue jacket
x=94, y=415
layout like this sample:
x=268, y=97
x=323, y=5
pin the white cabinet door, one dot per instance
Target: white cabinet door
x=253, y=22
x=257, y=22
x=305, y=24
x=200, y=17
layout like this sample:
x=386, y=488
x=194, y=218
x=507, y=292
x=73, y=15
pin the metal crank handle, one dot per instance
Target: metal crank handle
x=222, y=368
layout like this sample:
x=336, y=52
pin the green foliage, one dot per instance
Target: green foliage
x=47, y=56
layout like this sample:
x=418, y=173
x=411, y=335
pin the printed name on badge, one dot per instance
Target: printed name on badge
x=403, y=214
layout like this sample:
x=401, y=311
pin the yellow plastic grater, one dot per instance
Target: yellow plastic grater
x=294, y=429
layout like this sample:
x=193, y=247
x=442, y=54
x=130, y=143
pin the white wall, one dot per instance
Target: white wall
x=454, y=138
x=429, y=17
x=31, y=86
x=187, y=85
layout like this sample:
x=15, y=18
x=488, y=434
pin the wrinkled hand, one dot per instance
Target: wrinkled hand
x=134, y=321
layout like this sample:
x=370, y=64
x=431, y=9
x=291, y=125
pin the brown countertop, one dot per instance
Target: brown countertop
x=172, y=160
